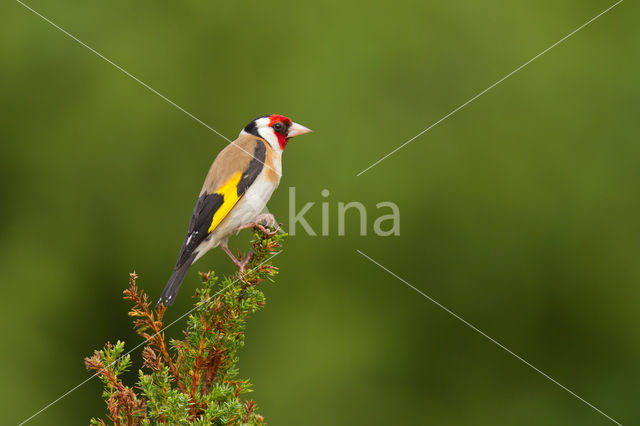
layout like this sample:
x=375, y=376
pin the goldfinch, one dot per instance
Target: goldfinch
x=239, y=183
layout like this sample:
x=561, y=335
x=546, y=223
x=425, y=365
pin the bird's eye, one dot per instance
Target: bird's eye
x=278, y=127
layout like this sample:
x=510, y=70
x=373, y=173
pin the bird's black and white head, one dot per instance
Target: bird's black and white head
x=275, y=129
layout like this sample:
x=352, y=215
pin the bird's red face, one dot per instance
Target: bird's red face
x=280, y=125
x=276, y=127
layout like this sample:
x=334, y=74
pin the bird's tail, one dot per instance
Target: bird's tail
x=170, y=291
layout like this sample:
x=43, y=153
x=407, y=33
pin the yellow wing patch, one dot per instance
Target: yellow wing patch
x=230, y=193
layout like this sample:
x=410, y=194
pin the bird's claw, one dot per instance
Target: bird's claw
x=262, y=223
x=266, y=219
x=266, y=231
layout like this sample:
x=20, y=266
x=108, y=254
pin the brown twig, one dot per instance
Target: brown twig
x=123, y=398
x=150, y=319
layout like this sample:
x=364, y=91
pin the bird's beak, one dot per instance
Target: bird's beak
x=297, y=129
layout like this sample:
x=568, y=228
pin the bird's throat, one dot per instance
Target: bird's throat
x=282, y=140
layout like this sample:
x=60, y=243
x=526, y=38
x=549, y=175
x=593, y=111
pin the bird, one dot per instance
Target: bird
x=236, y=189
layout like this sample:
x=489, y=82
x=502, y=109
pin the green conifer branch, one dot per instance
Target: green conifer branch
x=193, y=380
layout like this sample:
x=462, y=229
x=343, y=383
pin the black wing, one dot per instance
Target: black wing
x=205, y=208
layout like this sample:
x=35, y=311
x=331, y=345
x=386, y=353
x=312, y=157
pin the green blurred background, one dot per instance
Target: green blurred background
x=521, y=212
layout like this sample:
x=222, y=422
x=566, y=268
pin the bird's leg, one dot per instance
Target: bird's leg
x=233, y=258
x=262, y=222
x=241, y=264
